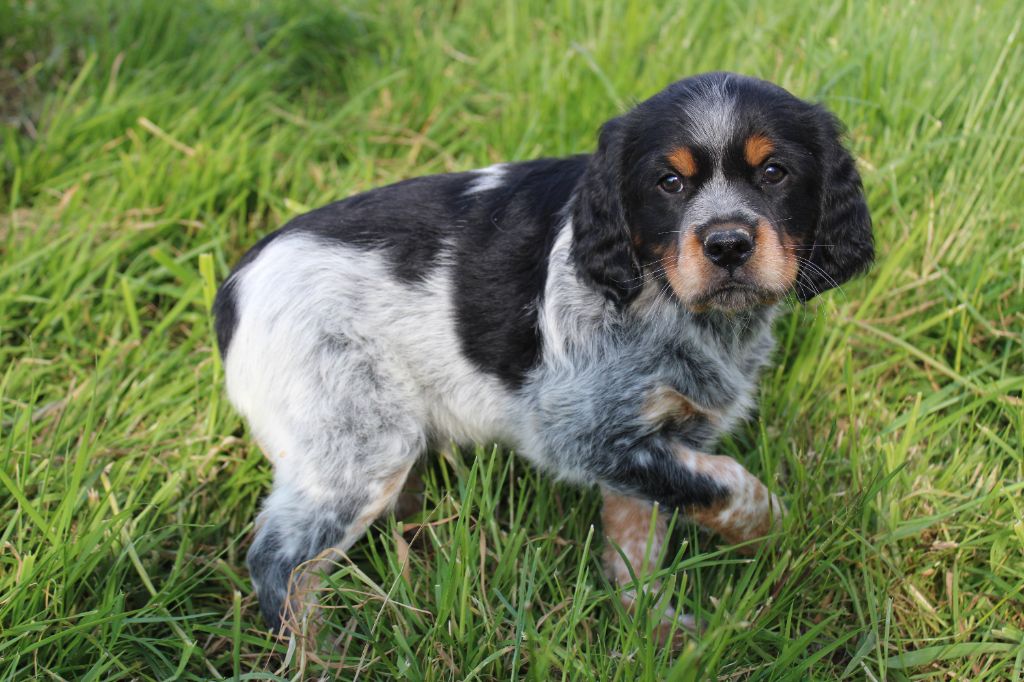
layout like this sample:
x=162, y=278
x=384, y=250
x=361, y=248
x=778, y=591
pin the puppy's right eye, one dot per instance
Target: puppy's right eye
x=671, y=184
x=773, y=174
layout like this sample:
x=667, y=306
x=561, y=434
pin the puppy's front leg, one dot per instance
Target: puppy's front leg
x=715, y=491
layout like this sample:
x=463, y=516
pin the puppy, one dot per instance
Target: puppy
x=604, y=315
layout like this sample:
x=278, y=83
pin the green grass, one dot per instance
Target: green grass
x=145, y=145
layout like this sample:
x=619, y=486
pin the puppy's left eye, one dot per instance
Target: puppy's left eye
x=671, y=184
x=773, y=174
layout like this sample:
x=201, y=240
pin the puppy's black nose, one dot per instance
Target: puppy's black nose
x=728, y=248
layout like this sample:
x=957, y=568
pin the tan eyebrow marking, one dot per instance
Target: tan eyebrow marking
x=757, y=149
x=682, y=160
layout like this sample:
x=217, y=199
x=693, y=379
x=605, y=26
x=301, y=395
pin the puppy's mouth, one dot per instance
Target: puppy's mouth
x=735, y=295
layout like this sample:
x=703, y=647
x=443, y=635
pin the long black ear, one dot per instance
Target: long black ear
x=843, y=244
x=601, y=248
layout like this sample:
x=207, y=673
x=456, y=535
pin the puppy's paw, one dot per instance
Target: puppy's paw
x=748, y=520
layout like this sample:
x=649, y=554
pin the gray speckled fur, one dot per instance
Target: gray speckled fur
x=585, y=402
x=347, y=376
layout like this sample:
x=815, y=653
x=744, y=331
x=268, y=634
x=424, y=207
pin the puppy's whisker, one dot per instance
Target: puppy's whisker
x=643, y=278
x=814, y=267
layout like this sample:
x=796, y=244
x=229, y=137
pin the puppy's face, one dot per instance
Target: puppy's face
x=732, y=193
x=719, y=194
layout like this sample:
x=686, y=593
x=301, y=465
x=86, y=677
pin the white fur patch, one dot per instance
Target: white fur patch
x=486, y=179
x=571, y=313
x=345, y=372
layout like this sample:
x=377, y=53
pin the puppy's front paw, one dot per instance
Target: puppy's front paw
x=746, y=517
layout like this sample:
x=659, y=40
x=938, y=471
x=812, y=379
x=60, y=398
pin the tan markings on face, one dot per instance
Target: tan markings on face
x=774, y=261
x=788, y=245
x=757, y=149
x=682, y=160
x=626, y=522
x=665, y=405
x=690, y=281
x=748, y=511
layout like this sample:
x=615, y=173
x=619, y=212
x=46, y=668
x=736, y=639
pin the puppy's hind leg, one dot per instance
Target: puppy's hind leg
x=337, y=466
x=297, y=525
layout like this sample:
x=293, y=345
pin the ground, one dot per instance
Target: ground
x=146, y=145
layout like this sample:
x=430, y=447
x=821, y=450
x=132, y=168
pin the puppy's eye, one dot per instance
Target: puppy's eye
x=671, y=184
x=773, y=174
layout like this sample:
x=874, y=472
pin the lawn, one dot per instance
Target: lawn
x=146, y=145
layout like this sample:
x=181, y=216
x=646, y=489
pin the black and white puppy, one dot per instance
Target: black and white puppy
x=604, y=315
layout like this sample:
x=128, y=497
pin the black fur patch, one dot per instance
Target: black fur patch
x=650, y=471
x=225, y=305
x=502, y=263
x=407, y=220
x=499, y=239
x=225, y=315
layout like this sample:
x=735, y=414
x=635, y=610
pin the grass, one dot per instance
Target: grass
x=145, y=145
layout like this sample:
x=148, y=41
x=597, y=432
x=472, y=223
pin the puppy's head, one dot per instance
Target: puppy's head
x=728, y=190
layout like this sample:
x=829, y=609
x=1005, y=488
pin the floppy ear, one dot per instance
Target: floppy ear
x=601, y=248
x=843, y=245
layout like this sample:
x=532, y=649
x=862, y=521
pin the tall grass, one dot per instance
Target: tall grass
x=145, y=145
